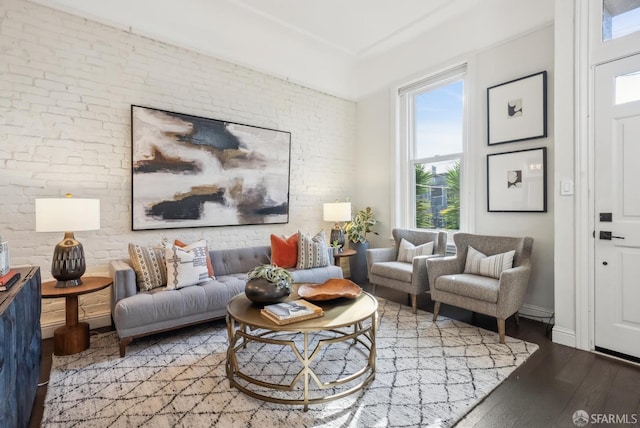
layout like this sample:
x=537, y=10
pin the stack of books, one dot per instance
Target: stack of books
x=9, y=279
x=290, y=312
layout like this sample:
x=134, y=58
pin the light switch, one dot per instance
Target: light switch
x=566, y=187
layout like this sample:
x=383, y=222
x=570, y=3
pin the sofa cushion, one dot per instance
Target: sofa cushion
x=475, y=286
x=312, y=252
x=407, y=251
x=158, y=307
x=239, y=260
x=400, y=271
x=284, y=251
x=209, y=264
x=479, y=264
x=187, y=266
x=150, y=266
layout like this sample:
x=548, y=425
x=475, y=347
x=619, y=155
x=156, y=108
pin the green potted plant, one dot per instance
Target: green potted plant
x=268, y=284
x=356, y=231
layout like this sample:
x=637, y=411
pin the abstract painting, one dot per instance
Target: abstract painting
x=517, y=181
x=517, y=110
x=189, y=171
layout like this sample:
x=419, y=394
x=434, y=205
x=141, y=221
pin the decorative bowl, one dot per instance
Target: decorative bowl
x=263, y=292
x=332, y=289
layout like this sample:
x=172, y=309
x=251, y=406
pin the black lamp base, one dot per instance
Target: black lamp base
x=68, y=264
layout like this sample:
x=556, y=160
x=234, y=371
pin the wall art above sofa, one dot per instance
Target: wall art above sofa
x=190, y=171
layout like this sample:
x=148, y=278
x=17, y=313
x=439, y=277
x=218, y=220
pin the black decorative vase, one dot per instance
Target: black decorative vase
x=263, y=292
x=358, y=262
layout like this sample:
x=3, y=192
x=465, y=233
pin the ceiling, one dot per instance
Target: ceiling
x=357, y=27
x=318, y=44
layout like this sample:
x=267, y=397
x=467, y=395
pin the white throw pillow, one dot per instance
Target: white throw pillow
x=186, y=265
x=312, y=252
x=479, y=264
x=408, y=251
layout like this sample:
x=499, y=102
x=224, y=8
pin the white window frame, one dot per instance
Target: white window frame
x=601, y=50
x=403, y=192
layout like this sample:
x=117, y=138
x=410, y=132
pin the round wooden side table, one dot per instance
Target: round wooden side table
x=347, y=252
x=73, y=337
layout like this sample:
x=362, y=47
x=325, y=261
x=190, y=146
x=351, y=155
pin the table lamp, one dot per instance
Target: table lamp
x=337, y=212
x=67, y=215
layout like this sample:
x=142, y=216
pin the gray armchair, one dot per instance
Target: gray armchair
x=501, y=297
x=387, y=271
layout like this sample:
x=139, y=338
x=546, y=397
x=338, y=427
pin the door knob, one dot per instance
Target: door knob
x=605, y=235
x=605, y=263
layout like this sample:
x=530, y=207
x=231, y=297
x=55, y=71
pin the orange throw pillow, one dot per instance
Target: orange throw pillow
x=284, y=251
x=181, y=244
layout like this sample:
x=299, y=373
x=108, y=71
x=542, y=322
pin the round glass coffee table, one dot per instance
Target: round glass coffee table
x=344, y=321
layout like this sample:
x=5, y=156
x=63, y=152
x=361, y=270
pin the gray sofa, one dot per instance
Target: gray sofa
x=136, y=314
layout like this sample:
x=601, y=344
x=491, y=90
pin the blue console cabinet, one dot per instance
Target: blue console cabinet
x=20, y=348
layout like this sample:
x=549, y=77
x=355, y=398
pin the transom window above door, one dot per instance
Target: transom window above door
x=620, y=18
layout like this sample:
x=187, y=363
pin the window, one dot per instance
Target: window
x=620, y=18
x=432, y=123
x=628, y=88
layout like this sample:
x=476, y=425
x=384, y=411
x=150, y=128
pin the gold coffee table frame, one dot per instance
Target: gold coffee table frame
x=243, y=318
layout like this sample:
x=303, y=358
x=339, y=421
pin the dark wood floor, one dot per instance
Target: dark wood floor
x=545, y=391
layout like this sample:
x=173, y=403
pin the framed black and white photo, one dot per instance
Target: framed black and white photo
x=517, y=110
x=517, y=181
x=190, y=171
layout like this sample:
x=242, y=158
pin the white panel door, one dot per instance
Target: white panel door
x=617, y=195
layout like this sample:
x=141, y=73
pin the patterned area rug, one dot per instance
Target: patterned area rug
x=428, y=374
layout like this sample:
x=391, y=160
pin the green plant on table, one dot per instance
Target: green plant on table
x=274, y=274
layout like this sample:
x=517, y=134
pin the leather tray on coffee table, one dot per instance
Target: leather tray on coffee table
x=332, y=289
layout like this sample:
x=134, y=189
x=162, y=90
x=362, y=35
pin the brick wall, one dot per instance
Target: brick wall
x=66, y=87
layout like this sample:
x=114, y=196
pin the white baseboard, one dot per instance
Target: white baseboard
x=95, y=321
x=537, y=313
x=560, y=335
x=564, y=336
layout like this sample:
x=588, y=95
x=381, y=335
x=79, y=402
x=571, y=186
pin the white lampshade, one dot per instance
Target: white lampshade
x=336, y=211
x=67, y=214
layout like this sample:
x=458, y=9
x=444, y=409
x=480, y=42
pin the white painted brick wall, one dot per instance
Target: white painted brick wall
x=66, y=87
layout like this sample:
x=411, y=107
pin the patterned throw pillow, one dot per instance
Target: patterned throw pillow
x=284, y=251
x=312, y=252
x=186, y=266
x=149, y=265
x=212, y=274
x=479, y=264
x=408, y=251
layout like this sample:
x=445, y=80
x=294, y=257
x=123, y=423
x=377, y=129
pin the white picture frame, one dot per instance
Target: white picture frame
x=517, y=110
